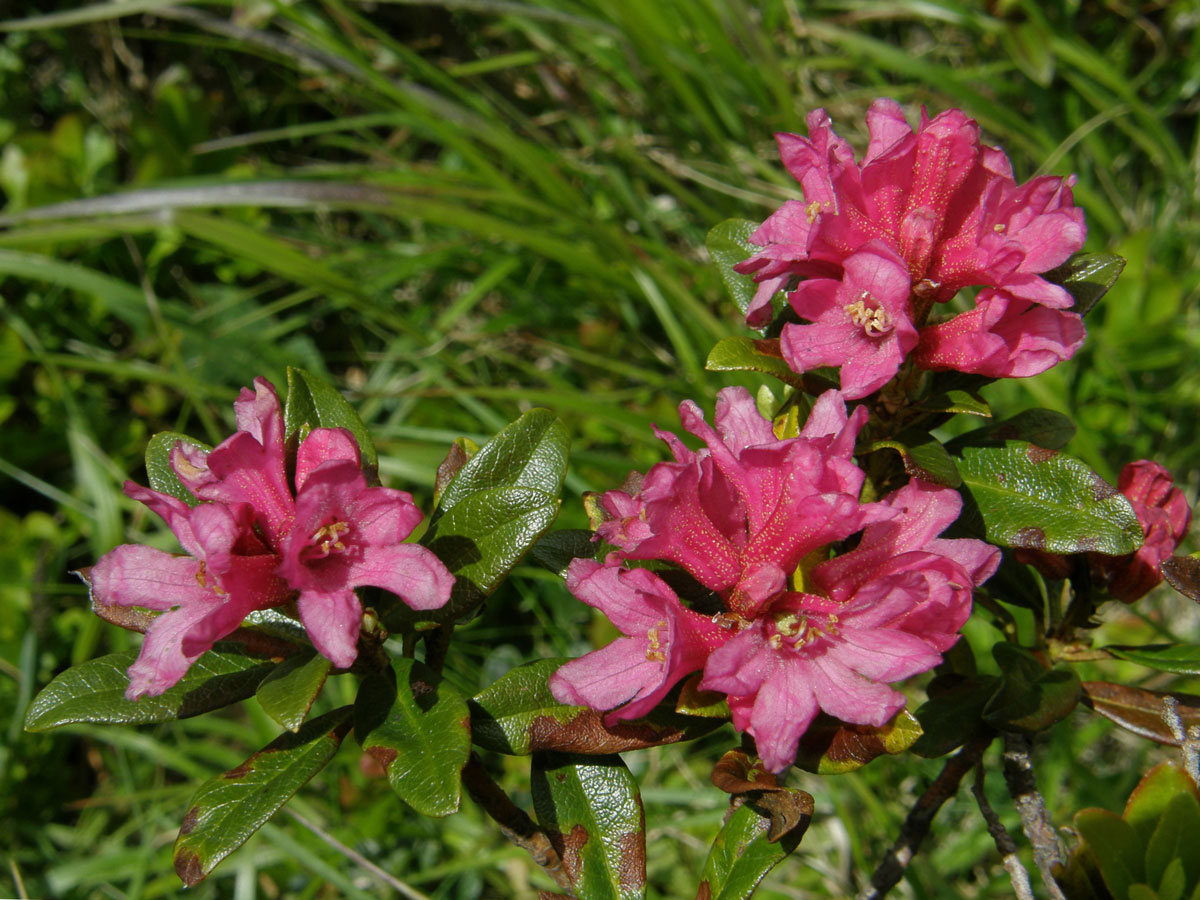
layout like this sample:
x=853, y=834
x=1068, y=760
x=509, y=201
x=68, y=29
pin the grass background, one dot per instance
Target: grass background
x=456, y=211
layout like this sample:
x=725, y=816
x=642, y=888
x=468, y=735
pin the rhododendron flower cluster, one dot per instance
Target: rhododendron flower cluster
x=879, y=242
x=754, y=518
x=254, y=543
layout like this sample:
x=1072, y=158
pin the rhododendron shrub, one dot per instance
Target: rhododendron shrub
x=820, y=566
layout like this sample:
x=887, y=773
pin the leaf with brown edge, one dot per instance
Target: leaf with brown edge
x=416, y=725
x=742, y=854
x=459, y=454
x=591, y=810
x=1183, y=574
x=787, y=809
x=1139, y=710
x=831, y=747
x=518, y=715
x=226, y=810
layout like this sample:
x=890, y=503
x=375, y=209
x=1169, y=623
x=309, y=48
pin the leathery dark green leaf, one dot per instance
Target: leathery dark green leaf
x=741, y=856
x=1031, y=497
x=518, y=715
x=498, y=504
x=591, y=810
x=728, y=244
x=1087, y=277
x=311, y=403
x=528, y=453
x=94, y=691
x=923, y=457
x=226, y=810
x=417, y=727
x=159, y=471
x=481, y=539
x=743, y=354
x=288, y=692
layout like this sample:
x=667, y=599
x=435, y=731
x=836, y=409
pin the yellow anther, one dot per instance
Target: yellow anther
x=874, y=322
x=655, y=656
x=998, y=227
x=813, y=210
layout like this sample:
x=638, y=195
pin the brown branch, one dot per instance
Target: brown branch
x=916, y=825
x=1035, y=822
x=514, y=823
x=1017, y=873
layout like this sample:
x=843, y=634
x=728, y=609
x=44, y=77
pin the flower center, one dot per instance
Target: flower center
x=875, y=322
x=654, y=652
x=800, y=629
x=328, y=539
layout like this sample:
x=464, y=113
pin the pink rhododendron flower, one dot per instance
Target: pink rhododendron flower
x=741, y=513
x=883, y=612
x=1003, y=337
x=752, y=517
x=1163, y=512
x=253, y=543
x=664, y=641
x=227, y=574
x=946, y=205
x=861, y=321
x=346, y=535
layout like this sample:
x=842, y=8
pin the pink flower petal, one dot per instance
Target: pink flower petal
x=333, y=620
x=323, y=445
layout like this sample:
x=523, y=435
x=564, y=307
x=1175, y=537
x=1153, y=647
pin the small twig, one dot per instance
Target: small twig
x=1189, y=739
x=18, y=883
x=916, y=826
x=401, y=888
x=514, y=823
x=1035, y=822
x=1004, y=842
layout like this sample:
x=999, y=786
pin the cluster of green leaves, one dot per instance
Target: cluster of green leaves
x=413, y=200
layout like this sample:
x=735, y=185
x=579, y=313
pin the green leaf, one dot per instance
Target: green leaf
x=956, y=401
x=528, y=453
x=1087, y=277
x=591, y=810
x=695, y=702
x=556, y=550
x=743, y=354
x=1182, y=659
x=729, y=244
x=1118, y=852
x=923, y=457
x=1175, y=839
x=1148, y=801
x=952, y=714
x=1043, y=500
x=287, y=694
x=94, y=691
x=226, y=810
x=1030, y=698
x=500, y=502
x=741, y=856
x=831, y=747
x=1040, y=427
x=518, y=715
x=481, y=539
x=418, y=729
x=1139, y=710
x=158, y=464
x=311, y=403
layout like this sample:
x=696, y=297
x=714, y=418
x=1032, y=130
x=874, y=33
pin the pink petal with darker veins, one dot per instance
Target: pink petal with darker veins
x=162, y=660
x=409, y=571
x=333, y=620
x=324, y=445
x=132, y=575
